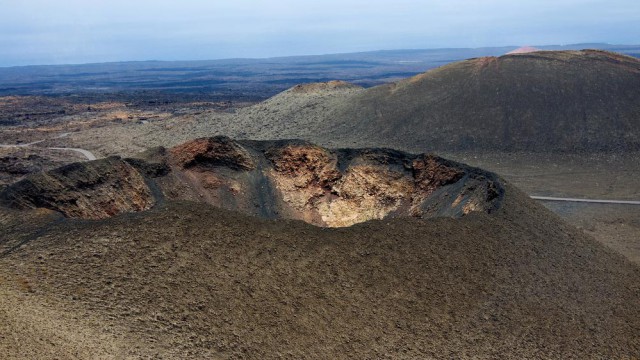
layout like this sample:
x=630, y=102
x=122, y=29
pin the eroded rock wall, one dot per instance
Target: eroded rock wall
x=90, y=190
x=336, y=188
x=271, y=179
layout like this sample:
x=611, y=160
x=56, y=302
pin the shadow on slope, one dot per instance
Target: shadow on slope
x=188, y=280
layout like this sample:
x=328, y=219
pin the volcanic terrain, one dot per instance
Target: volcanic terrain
x=579, y=102
x=156, y=276
x=562, y=101
x=263, y=248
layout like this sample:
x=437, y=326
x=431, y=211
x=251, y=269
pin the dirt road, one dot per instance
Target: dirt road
x=598, y=201
x=88, y=154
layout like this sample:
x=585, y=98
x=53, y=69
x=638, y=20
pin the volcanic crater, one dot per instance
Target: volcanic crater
x=289, y=179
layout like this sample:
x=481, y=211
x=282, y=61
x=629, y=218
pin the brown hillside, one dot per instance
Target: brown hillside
x=568, y=101
x=185, y=280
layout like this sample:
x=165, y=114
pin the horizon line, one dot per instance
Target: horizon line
x=311, y=55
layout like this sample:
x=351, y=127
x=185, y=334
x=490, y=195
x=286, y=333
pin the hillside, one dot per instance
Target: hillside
x=563, y=101
x=186, y=280
x=581, y=102
x=299, y=110
x=221, y=248
x=107, y=258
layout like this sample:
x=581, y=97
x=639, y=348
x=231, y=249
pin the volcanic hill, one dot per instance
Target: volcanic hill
x=562, y=101
x=86, y=273
x=123, y=258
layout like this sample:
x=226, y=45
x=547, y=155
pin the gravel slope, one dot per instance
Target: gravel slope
x=188, y=281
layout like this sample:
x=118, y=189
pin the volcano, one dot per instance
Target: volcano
x=199, y=251
x=551, y=101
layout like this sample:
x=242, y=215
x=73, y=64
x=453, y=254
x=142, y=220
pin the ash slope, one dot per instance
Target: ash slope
x=186, y=280
x=565, y=101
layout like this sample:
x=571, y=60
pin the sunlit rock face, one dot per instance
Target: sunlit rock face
x=334, y=188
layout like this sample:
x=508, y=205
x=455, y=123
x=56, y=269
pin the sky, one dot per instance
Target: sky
x=36, y=32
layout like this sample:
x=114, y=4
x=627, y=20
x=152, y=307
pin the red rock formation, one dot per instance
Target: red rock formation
x=331, y=188
x=432, y=172
x=212, y=151
x=523, y=50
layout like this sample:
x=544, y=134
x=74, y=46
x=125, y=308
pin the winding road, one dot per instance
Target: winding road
x=596, y=201
x=88, y=154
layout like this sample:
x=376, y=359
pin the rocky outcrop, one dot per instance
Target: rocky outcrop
x=218, y=151
x=90, y=190
x=335, y=188
x=271, y=179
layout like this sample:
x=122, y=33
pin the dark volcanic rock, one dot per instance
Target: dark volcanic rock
x=212, y=151
x=91, y=190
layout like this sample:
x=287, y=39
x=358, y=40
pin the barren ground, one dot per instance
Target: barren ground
x=115, y=129
x=595, y=176
x=186, y=280
x=67, y=298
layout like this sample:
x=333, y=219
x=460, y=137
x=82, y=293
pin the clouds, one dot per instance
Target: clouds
x=38, y=31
